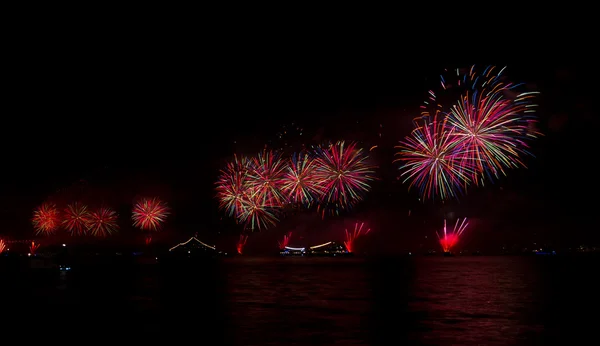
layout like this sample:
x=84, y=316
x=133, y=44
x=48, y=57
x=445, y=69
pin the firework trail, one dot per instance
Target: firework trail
x=2, y=245
x=232, y=186
x=46, y=219
x=432, y=159
x=449, y=239
x=149, y=214
x=285, y=242
x=103, y=222
x=351, y=237
x=241, y=243
x=265, y=178
x=33, y=248
x=76, y=218
x=344, y=175
x=299, y=181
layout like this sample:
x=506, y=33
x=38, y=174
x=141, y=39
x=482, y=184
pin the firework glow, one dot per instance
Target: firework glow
x=2, y=245
x=103, y=222
x=76, y=218
x=33, y=248
x=46, y=219
x=149, y=214
x=241, y=243
x=447, y=239
x=285, y=242
x=352, y=236
x=484, y=128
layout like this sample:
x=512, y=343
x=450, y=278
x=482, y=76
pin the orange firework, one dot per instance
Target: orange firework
x=449, y=239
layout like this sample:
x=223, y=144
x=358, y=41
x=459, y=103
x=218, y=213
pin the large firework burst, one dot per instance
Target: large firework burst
x=103, y=222
x=46, y=219
x=149, y=214
x=76, y=218
x=299, y=182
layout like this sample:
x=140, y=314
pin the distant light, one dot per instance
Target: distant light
x=29, y=254
x=64, y=245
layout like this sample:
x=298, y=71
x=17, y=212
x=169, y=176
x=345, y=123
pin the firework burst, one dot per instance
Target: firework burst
x=46, y=219
x=432, y=159
x=76, y=218
x=344, y=175
x=299, y=182
x=232, y=186
x=149, y=214
x=351, y=237
x=103, y=222
x=449, y=239
x=286, y=241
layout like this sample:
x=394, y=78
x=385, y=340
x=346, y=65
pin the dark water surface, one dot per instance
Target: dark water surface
x=309, y=301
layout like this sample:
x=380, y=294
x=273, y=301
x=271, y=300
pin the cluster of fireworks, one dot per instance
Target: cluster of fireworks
x=255, y=190
x=148, y=215
x=478, y=132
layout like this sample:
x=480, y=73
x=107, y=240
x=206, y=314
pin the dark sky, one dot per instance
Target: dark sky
x=132, y=119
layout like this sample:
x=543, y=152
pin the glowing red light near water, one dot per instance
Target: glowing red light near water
x=241, y=243
x=286, y=241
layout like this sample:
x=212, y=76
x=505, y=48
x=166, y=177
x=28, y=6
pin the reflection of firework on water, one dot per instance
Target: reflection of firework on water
x=299, y=183
x=449, y=239
x=76, y=218
x=265, y=178
x=431, y=160
x=351, y=237
x=232, y=187
x=33, y=248
x=103, y=222
x=493, y=121
x=344, y=175
x=2, y=245
x=46, y=219
x=149, y=214
x=286, y=241
x=241, y=243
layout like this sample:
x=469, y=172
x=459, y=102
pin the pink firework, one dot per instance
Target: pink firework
x=299, y=181
x=449, y=239
x=344, y=175
x=149, y=214
x=241, y=243
x=351, y=237
x=76, y=218
x=286, y=241
x=46, y=219
x=103, y=222
x=265, y=178
x=232, y=186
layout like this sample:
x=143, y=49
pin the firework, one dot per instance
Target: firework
x=449, y=239
x=103, y=222
x=351, y=237
x=46, y=219
x=344, y=175
x=149, y=214
x=33, y=248
x=299, y=182
x=2, y=245
x=265, y=178
x=432, y=159
x=76, y=218
x=232, y=186
x=286, y=241
x=241, y=243
x=148, y=240
x=258, y=213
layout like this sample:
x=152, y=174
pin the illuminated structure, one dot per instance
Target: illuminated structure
x=327, y=249
x=193, y=248
x=292, y=251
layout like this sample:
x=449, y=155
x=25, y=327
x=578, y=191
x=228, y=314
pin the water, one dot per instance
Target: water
x=302, y=301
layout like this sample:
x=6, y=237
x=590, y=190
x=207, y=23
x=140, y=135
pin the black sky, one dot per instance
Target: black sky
x=132, y=119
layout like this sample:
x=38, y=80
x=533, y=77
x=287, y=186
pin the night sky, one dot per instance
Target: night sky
x=121, y=123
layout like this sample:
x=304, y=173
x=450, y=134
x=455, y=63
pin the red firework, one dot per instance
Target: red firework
x=286, y=241
x=103, y=222
x=232, y=186
x=2, y=245
x=46, y=219
x=449, y=239
x=148, y=240
x=76, y=218
x=33, y=248
x=149, y=214
x=241, y=243
x=299, y=182
x=351, y=237
x=265, y=177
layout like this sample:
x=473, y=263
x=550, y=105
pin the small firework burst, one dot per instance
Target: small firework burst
x=149, y=214
x=33, y=248
x=351, y=237
x=103, y=222
x=299, y=181
x=449, y=239
x=76, y=218
x=46, y=219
